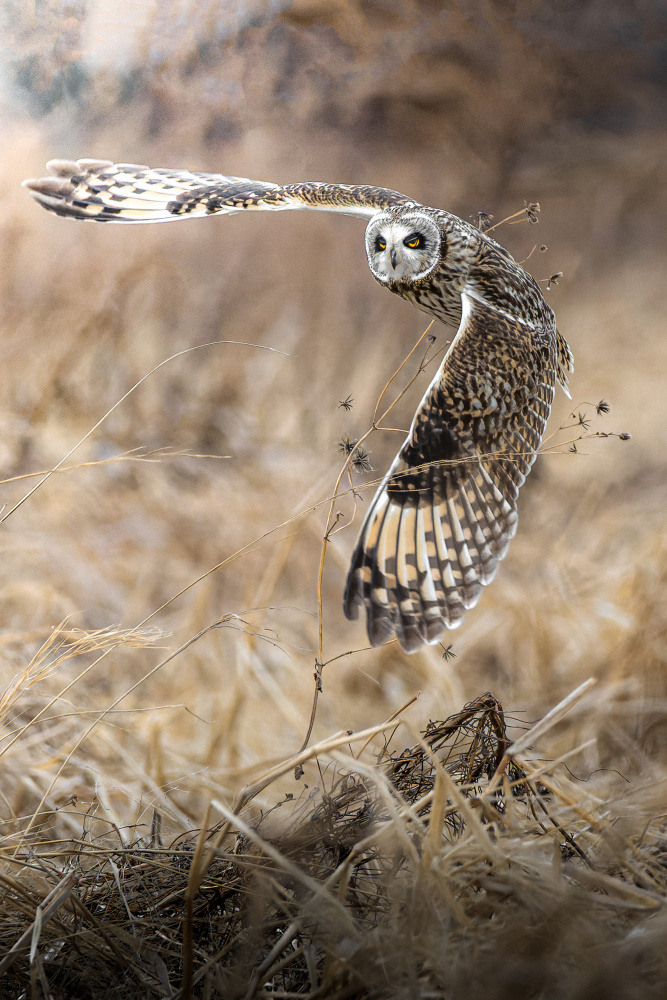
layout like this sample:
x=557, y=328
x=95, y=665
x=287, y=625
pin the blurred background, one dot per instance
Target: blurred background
x=470, y=106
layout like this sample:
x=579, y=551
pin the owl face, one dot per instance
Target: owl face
x=402, y=249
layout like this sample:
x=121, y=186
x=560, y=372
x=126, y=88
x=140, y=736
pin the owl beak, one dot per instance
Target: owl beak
x=392, y=257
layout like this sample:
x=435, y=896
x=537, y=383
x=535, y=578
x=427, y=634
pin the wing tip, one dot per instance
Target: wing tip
x=48, y=185
x=62, y=168
x=52, y=193
x=63, y=172
x=441, y=585
x=351, y=605
x=69, y=168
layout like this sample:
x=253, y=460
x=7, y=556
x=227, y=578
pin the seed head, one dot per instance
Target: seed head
x=361, y=462
x=532, y=208
x=346, y=444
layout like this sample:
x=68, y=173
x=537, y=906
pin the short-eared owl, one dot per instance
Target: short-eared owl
x=446, y=510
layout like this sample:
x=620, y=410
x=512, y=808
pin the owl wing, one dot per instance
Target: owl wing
x=443, y=517
x=123, y=192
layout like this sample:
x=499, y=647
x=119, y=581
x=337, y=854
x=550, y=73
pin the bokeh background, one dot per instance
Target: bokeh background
x=471, y=106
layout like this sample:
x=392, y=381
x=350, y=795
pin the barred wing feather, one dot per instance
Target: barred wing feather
x=102, y=191
x=444, y=515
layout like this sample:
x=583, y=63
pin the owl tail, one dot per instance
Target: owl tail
x=421, y=562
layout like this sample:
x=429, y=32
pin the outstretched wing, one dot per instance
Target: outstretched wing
x=444, y=515
x=124, y=192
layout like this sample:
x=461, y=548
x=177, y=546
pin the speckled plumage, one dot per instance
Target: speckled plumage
x=444, y=515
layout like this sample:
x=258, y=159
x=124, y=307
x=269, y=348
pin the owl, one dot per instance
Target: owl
x=445, y=512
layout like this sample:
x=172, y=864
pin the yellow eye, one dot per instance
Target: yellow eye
x=380, y=244
x=414, y=241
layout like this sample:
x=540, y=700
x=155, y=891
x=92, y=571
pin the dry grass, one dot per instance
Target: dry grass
x=159, y=592
x=383, y=883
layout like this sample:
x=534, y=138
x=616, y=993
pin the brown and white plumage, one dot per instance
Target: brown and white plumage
x=443, y=516
x=103, y=191
x=446, y=511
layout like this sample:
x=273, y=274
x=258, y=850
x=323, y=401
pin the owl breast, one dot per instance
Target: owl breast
x=439, y=296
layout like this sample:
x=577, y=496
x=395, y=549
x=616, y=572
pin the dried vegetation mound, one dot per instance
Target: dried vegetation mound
x=456, y=867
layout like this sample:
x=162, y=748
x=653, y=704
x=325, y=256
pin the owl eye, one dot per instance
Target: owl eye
x=380, y=244
x=414, y=241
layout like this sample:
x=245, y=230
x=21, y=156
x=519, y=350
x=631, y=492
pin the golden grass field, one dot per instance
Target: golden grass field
x=159, y=591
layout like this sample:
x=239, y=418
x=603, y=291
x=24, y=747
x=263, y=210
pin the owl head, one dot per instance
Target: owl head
x=402, y=247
